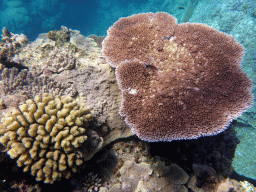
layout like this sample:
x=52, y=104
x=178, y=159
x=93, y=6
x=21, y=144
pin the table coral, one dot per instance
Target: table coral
x=178, y=81
x=44, y=136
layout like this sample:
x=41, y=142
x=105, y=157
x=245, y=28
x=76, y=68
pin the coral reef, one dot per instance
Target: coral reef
x=216, y=151
x=101, y=93
x=97, y=39
x=11, y=45
x=225, y=185
x=98, y=89
x=60, y=37
x=57, y=51
x=90, y=182
x=206, y=160
x=44, y=136
x=204, y=178
x=208, y=169
x=16, y=86
x=178, y=81
x=144, y=177
x=137, y=170
x=60, y=60
x=24, y=187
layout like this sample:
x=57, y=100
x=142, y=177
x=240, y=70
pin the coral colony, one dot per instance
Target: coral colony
x=178, y=81
x=61, y=121
x=44, y=134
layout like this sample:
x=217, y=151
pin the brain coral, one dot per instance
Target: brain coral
x=44, y=136
x=178, y=81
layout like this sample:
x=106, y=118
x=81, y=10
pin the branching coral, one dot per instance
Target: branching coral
x=44, y=136
x=11, y=44
x=178, y=81
x=13, y=81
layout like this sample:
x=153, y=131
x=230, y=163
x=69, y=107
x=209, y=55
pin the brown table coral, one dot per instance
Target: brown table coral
x=45, y=134
x=178, y=81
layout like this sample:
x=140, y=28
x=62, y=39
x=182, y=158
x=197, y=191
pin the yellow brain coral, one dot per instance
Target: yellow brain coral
x=44, y=134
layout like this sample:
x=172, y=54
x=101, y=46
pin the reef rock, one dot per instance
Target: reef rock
x=146, y=177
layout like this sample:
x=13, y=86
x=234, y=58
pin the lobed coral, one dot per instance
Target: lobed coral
x=45, y=135
x=178, y=81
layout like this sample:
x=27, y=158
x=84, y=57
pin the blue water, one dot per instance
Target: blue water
x=33, y=17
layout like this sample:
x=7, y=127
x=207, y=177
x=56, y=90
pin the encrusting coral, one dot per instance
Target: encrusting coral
x=178, y=81
x=44, y=136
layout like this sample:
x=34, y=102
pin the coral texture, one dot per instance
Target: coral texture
x=221, y=186
x=44, y=136
x=60, y=60
x=90, y=182
x=178, y=81
x=60, y=37
x=98, y=89
x=18, y=85
x=11, y=44
x=58, y=51
x=146, y=177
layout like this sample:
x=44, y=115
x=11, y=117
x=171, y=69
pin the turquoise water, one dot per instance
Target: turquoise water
x=37, y=16
x=235, y=17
